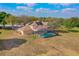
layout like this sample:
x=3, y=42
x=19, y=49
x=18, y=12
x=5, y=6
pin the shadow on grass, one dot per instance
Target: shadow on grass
x=7, y=44
x=0, y=32
x=66, y=31
x=62, y=31
x=73, y=30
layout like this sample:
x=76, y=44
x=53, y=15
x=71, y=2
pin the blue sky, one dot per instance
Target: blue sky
x=65, y=10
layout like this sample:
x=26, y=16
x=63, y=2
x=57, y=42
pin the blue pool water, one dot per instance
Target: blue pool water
x=47, y=35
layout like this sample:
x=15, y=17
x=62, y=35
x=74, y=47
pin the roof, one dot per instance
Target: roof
x=39, y=23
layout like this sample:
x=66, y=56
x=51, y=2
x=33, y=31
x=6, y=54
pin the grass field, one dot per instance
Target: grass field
x=66, y=44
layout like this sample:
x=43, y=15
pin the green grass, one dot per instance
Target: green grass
x=76, y=29
x=33, y=37
x=5, y=33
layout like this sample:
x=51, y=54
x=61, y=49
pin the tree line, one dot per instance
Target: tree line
x=6, y=18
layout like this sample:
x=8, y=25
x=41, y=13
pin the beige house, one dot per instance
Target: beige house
x=35, y=26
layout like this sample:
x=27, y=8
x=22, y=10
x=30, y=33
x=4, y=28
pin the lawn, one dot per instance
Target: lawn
x=5, y=33
x=66, y=44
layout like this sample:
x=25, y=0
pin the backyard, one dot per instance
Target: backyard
x=65, y=44
x=39, y=29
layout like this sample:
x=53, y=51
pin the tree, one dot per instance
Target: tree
x=11, y=20
x=3, y=16
x=55, y=22
x=25, y=19
x=71, y=22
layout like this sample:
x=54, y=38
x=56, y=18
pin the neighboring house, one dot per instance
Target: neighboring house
x=34, y=26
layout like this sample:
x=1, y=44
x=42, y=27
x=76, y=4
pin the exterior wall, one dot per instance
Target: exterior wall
x=24, y=30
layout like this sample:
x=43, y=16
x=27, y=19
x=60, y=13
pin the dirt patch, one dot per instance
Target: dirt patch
x=6, y=44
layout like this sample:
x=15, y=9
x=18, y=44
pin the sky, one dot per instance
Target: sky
x=64, y=10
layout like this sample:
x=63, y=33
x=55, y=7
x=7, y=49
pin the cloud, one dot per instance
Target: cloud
x=65, y=4
x=42, y=10
x=31, y=4
x=45, y=10
x=60, y=5
x=24, y=8
x=4, y=10
x=27, y=4
x=54, y=11
x=21, y=7
x=68, y=10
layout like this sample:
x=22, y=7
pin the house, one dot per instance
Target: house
x=37, y=26
x=34, y=26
